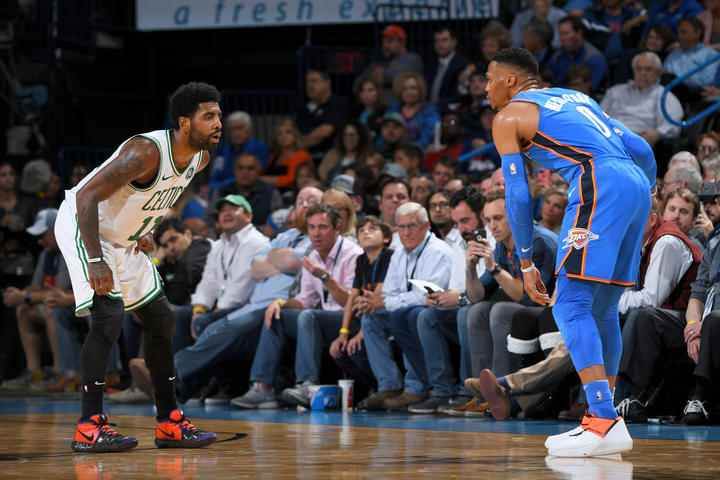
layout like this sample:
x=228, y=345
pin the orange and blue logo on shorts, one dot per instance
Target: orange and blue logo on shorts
x=578, y=238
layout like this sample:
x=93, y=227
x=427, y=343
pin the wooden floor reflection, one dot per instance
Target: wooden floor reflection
x=37, y=447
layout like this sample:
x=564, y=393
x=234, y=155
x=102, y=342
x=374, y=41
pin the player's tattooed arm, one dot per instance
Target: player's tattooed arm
x=138, y=160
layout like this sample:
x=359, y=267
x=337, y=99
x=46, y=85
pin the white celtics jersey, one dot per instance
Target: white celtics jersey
x=135, y=210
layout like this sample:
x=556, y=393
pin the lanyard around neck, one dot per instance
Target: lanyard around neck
x=332, y=268
x=226, y=269
x=417, y=260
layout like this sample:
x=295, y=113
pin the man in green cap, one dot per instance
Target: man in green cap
x=226, y=282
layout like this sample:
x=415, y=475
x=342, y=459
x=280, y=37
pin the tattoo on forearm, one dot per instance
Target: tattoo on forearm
x=133, y=160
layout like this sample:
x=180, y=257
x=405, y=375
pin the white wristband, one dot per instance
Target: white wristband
x=528, y=269
x=95, y=260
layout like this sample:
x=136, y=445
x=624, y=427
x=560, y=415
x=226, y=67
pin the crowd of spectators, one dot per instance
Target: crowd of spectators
x=367, y=238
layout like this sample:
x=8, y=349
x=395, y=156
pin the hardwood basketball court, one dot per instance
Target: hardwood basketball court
x=35, y=436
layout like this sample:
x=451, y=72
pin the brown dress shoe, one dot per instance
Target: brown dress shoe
x=474, y=407
x=376, y=401
x=401, y=402
x=473, y=385
x=497, y=397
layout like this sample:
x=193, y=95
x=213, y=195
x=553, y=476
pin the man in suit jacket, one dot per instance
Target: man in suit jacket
x=445, y=68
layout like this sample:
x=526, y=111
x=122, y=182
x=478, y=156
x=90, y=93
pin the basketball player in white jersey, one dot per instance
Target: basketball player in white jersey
x=98, y=228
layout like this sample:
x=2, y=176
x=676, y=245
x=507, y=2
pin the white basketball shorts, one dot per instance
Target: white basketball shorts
x=136, y=280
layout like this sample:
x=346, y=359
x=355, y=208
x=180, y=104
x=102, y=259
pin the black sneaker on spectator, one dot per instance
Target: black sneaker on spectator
x=222, y=397
x=695, y=413
x=632, y=410
x=431, y=405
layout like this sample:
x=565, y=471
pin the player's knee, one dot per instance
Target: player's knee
x=158, y=318
x=107, y=314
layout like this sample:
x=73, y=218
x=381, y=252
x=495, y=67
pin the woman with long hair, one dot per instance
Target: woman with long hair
x=286, y=155
x=369, y=95
x=352, y=145
x=341, y=202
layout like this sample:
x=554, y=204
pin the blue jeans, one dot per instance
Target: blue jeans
x=316, y=330
x=68, y=340
x=404, y=327
x=436, y=329
x=227, y=338
x=182, y=337
x=376, y=331
x=271, y=345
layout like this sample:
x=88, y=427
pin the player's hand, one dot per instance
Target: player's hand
x=100, y=278
x=272, y=313
x=535, y=288
x=146, y=244
x=355, y=344
x=338, y=345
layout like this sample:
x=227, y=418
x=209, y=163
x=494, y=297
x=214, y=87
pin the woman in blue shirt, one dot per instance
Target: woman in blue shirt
x=420, y=116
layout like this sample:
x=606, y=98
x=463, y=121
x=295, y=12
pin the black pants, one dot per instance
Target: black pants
x=533, y=329
x=654, y=351
x=357, y=367
x=708, y=366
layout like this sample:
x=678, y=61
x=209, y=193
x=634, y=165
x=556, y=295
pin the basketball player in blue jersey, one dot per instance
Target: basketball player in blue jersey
x=611, y=174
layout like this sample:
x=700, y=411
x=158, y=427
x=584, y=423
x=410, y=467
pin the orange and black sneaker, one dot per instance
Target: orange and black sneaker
x=97, y=436
x=178, y=432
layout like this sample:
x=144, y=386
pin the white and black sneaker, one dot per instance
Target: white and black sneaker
x=695, y=413
x=632, y=410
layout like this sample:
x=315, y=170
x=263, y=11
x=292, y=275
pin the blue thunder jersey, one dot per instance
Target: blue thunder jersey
x=608, y=194
x=572, y=128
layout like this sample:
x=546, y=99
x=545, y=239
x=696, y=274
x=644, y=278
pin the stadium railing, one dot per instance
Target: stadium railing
x=714, y=107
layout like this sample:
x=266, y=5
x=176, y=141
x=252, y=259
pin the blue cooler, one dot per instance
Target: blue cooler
x=325, y=397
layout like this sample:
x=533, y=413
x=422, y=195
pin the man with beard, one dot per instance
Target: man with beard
x=102, y=229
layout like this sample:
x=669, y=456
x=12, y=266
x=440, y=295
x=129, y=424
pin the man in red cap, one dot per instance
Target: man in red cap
x=394, y=59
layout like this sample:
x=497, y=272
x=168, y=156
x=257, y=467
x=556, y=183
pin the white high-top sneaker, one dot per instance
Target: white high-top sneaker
x=552, y=439
x=599, y=436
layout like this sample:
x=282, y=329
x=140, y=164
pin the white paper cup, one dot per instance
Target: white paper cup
x=346, y=386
